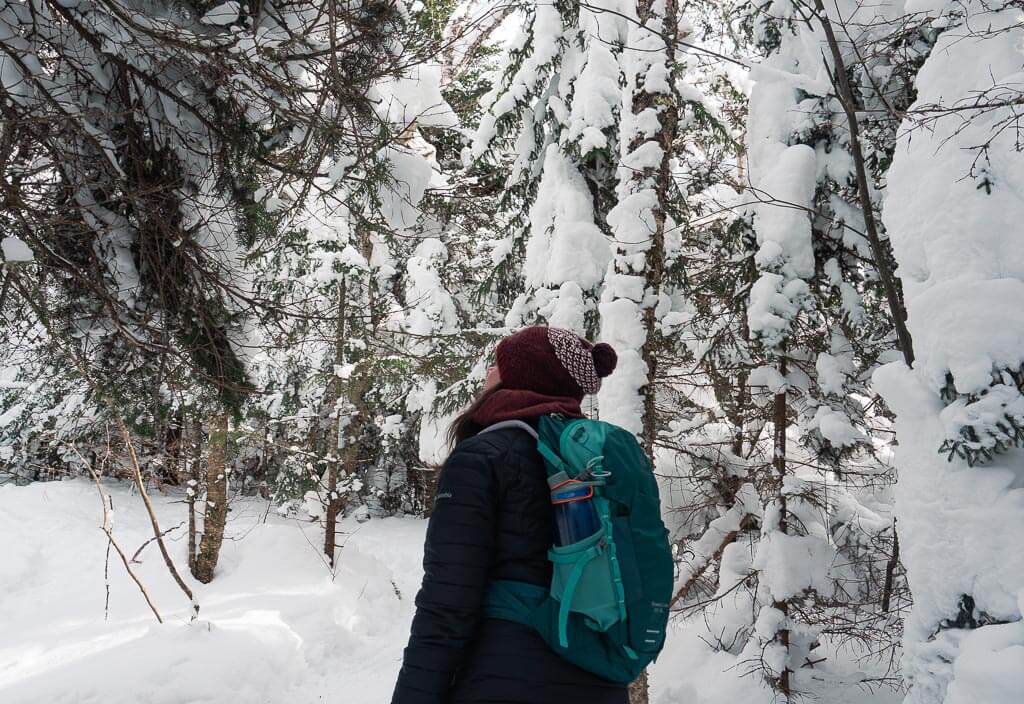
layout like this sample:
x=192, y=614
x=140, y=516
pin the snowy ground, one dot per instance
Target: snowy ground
x=276, y=625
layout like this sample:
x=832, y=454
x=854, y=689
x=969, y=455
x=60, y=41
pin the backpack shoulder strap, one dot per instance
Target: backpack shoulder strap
x=553, y=460
x=511, y=424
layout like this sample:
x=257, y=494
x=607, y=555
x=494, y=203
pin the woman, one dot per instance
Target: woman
x=492, y=519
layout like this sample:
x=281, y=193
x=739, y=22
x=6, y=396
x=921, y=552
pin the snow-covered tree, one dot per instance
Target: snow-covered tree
x=817, y=311
x=632, y=296
x=952, y=212
x=158, y=152
x=556, y=111
x=703, y=452
x=143, y=132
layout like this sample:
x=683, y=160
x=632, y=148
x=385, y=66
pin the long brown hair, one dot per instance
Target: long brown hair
x=463, y=426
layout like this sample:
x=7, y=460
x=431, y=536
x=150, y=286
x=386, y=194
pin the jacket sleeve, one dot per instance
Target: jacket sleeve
x=456, y=561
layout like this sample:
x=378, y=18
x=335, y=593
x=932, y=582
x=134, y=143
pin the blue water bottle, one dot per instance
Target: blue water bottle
x=575, y=515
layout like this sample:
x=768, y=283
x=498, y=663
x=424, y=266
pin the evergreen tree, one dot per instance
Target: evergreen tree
x=951, y=213
x=632, y=297
x=817, y=313
x=555, y=111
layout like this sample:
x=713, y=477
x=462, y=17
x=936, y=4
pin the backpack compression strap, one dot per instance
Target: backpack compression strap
x=565, y=601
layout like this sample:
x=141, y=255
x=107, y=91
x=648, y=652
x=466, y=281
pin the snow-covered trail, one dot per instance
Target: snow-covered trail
x=275, y=626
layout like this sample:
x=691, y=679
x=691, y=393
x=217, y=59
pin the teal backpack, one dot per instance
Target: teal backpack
x=607, y=607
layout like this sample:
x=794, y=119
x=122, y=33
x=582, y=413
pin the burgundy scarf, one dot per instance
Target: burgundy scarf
x=509, y=404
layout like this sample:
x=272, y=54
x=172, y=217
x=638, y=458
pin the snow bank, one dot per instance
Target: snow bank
x=960, y=528
x=990, y=667
x=275, y=626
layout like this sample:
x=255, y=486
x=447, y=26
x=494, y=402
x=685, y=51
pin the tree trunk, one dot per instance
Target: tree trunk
x=897, y=309
x=333, y=502
x=354, y=388
x=334, y=431
x=639, y=690
x=347, y=463
x=841, y=83
x=780, y=421
x=216, y=513
x=890, y=570
x=645, y=99
x=668, y=120
x=192, y=455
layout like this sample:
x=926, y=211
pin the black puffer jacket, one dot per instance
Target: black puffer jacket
x=491, y=520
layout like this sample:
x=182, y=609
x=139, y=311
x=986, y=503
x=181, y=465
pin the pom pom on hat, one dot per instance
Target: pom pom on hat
x=605, y=359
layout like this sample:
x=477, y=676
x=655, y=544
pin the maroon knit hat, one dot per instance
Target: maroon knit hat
x=554, y=362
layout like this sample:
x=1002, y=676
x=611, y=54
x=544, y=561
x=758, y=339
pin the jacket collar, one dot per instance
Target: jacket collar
x=512, y=404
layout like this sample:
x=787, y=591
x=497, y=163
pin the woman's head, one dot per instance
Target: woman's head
x=554, y=362
x=544, y=360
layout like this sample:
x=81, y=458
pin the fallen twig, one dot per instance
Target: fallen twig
x=106, y=528
x=158, y=535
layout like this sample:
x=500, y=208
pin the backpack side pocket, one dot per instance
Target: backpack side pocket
x=582, y=582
